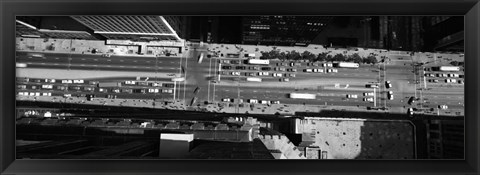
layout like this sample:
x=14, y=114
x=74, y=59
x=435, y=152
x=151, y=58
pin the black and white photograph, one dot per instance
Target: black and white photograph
x=240, y=87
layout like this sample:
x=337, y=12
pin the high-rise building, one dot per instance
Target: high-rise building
x=445, y=139
x=282, y=30
x=444, y=33
x=135, y=27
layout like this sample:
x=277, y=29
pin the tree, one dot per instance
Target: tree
x=355, y=58
x=322, y=56
x=339, y=57
x=371, y=60
x=308, y=56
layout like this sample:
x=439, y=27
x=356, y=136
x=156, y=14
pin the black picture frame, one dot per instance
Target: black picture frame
x=10, y=8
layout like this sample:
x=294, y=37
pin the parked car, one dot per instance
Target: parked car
x=284, y=79
x=411, y=100
x=368, y=94
x=167, y=91
x=390, y=95
x=252, y=101
x=370, y=99
x=235, y=73
x=277, y=75
x=266, y=68
x=352, y=96
x=227, y=67
x=153, y=90
x=388, y=84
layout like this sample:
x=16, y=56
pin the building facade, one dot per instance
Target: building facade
x=445, y=139
x=282, y=30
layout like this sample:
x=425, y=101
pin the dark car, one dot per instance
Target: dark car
x=266, y=68
x=139, y=91
x=227, y=67
x=197, y=90
x=235, y=62
x=194, y=99
x=411, y=100
x=240, y=67
x=168, y=85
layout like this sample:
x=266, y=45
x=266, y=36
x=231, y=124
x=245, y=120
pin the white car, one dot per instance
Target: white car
x=235, y=73
x=443, y=107
x=47, y=86
x=318, y=70
x=263, y=73
x=390, y=95
x=456, y=75
x=153, y=90
x=265, y=102
x=168, y=91
x=352, y=96
x=277, y=75
x=49, y=80
x=275, y=102
x=335, y=70
x=130, y=82
x=102, y=90
x=388, y=84
x=307, y=70
x=46, y=94
x=116, y=90
x=67, y=95
x=226, y=100
x=410, y=111
x=156, y=84
x=370, y=99
x=252, y=101
x=78, y=81
x=67, y=81
x=368, y=94
x=284, y=79
x=89, y=88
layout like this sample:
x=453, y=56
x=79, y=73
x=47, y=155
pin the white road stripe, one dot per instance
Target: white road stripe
x=109, y=60
x=95, y=59
x=121, y=60
x=57, y=58
x=135, y=61
x=42, y=63
x=55, y=64
x=83, y=59
x=82, y=64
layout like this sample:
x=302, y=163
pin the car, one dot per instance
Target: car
x=253, y=68
x=227, y=67
x=61, y=88
x=168, y=85
x=225, y=100
x=266, y=68
x=291, y=70
x=67, y=95
x=307, y=70
x=127, y=91
x=370, y=99
x=284, y=79
x=234, y=62
x=78, y=81
x=352, y=96
x=37, y=81
x=368, y=94
x=67, y=81
x=410, y=111
x=75, y=88
x=291, y=75
x=444, y=75
x=277, y=75
x=371, y=85
x=388, y=84
x=312, y=64
x=435, y=81
x=49, y=80
x=88, y=88
x=106, y=55
x=279, y=64
x=252, y=101
x=318, y=70
x=194, y=99
x=21, y=86
x=411, y=100
x=335, y=70
x=456, y=75
x=461, y=82
x=142, y=83
x=438, y=75
x=130, y=82
x=156, y=84
x=265, y=102
x=444, y=107
x=275, y=102
x=141, y=91
x=251, y=74
x=225, y=61
x=197, y=90
x=116, y=90
x=167, y=91
x=103, y=90
x=93, y=82
x=153, y=90
x=240, y=67
x=263, y=73
x=235, y=73
x=34, y=87
x=390, y=95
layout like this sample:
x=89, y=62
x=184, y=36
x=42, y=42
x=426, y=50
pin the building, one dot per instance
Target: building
x=53, y=27
x=282, y=30
x=445, y=139
x=444, y=33
x=135, y=27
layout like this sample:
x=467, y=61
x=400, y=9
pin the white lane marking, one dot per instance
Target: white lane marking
x=172, y=68
x=122, y=66
x=44, y=58
x=135, y=61
x=172, y=62
x=55, y=64
x=95, y=65
x=57, y=58
x=83, y=59
x=95, y=59
x=109, y=60
x=227, y=90
x=121, y=60
x=254, y=91
x=42, y=63
x=134, y=66
x=159, y=62
x=109, y=66
x=82, y=64
x=147, y=67
x=148, y=61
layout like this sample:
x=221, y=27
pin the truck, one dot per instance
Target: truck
x=200, y=58
x=302, y=96
x=254, y=79
x=449, y=68
x=347, y=65
x=109, y=84
x=258, y=61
